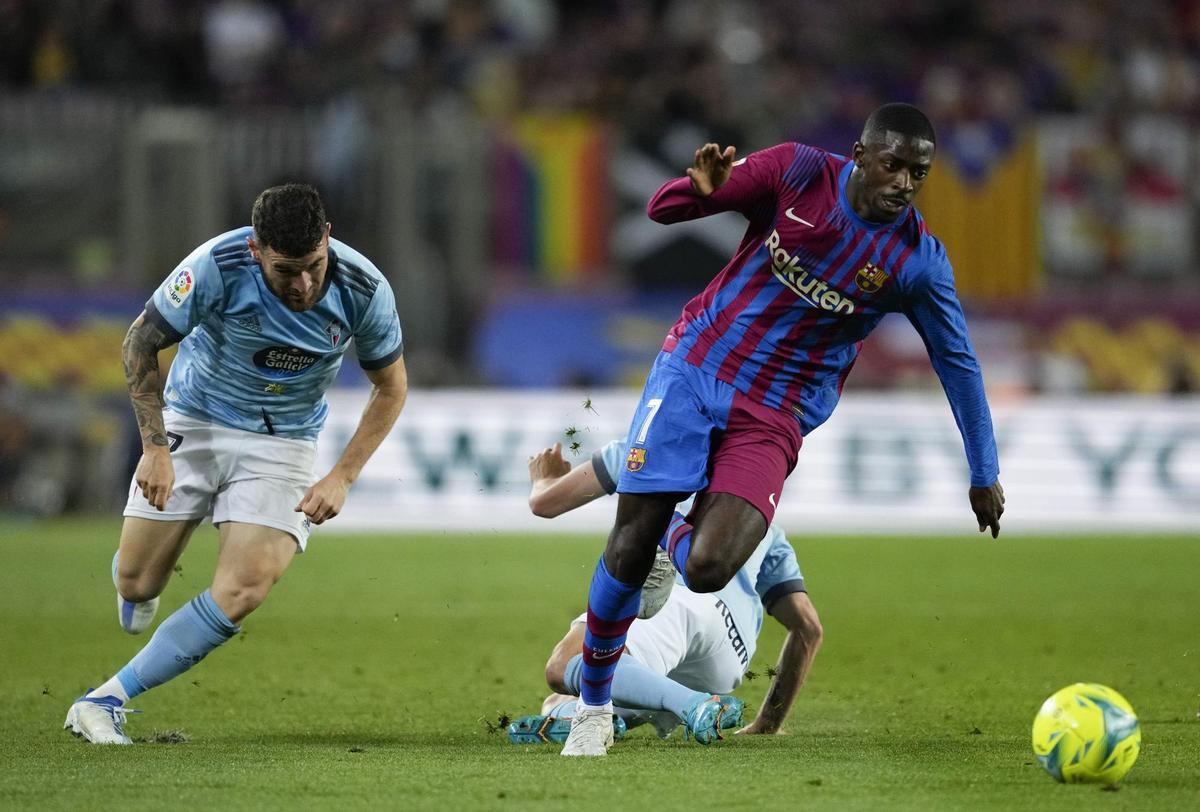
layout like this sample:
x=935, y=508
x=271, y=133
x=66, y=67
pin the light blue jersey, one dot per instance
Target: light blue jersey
x=771, y=572
x=248, y=362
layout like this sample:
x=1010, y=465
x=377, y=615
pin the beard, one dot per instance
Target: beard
x=291, y=300
x=296, y=304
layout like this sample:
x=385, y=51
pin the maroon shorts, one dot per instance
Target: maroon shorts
x=755, y=454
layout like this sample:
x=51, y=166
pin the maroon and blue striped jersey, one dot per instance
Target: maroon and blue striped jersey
x=784, y=320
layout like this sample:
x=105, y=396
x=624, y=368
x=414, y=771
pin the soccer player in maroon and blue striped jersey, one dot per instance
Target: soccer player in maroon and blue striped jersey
x=758, y=360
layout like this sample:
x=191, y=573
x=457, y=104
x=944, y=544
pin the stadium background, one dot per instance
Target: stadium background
x=494, y=158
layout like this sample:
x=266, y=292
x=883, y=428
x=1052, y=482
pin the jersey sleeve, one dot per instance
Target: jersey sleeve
x=779, y=573
x=192, y=291
x=377, y=337
x=607, y=463
x=931, y=304
x=755, y=178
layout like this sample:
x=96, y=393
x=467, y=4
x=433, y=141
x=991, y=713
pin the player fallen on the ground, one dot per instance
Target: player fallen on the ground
x=680, y=664
x=262, y=315
x=758, y=359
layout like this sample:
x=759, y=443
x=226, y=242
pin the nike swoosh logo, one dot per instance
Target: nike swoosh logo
x=798, y=219
x=771, y=499
x=598, y=656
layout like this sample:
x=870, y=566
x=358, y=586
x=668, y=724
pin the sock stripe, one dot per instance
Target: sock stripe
x=675, y=534
x=677, y=542
x=212, y=616
x=130, y=681
x=608, y=629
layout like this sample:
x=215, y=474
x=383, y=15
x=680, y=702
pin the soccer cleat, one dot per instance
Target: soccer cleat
x=546, y=729
x=657, y=587
x=591, y=732
x=98, y=719
x=134, y=618
x=731, y=712
x=702, y=719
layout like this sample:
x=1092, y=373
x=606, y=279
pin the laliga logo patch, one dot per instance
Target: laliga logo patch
x=334, y=331
x=870, y=278
x=635, y=460
x=180, y=287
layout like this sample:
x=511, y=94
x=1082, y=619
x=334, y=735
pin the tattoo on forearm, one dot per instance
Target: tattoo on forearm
x=139, y=353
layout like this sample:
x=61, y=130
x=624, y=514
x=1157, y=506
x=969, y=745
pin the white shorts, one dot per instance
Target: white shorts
x=690, y=641
x=233, y=476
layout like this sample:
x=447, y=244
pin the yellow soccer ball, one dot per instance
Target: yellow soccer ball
x=1086, y=733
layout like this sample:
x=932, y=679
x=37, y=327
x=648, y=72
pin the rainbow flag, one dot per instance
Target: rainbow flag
x=552, y=197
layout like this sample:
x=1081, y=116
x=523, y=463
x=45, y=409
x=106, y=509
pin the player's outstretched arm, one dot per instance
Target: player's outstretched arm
x=932, y=307
x=389, y=389
x=155, y=474
x=797, y=613
x=556, y=487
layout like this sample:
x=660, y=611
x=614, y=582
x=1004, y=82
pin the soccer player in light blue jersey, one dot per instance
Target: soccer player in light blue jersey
x=262, y=316
x=679, y=664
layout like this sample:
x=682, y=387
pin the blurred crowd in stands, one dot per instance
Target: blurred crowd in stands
x=668, y=75
x=806, y=65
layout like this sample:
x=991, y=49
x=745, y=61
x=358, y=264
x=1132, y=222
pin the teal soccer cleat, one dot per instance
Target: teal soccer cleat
x=546, y=729
x=731, y=712
x=703, y=718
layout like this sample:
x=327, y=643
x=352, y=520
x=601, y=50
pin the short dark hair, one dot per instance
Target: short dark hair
x=289, y=218
x=899, y=118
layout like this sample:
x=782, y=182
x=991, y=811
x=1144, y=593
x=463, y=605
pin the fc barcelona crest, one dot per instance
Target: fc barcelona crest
x=635, y=460
x=870, y=278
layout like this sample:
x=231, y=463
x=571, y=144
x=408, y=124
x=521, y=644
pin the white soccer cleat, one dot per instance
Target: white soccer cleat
x=657, y=588
x=134, y=618
x=98, y=720
x=591, y=732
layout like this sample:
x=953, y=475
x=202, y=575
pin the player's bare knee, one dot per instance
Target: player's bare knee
x=630, y=555
x=707, y=574
x=237, y=600
x=640, y=523
x=138, y=587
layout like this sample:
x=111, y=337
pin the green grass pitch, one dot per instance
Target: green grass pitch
x=369, y=678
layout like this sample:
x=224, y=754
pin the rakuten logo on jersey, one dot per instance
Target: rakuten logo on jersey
x=812, y=290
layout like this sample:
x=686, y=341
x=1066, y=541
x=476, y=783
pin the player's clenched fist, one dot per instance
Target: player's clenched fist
x=155, y=477
x=324, y=500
